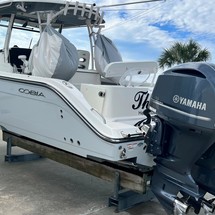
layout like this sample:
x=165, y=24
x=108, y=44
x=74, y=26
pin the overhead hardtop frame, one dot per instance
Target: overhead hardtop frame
x=66, y=13
x=60, y=14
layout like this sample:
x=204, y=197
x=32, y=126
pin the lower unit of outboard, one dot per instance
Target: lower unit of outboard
x=181, y=136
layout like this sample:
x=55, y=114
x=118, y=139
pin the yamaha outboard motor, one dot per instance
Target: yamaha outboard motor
x=181, y=136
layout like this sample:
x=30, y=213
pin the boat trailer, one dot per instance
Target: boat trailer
x=131, y=185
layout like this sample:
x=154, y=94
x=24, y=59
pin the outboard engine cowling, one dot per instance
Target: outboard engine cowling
x=182, y=136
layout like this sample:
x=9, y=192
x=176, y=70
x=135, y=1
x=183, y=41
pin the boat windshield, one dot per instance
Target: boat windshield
x=3, y=32
x=20, y=37
x=23, y=39
x=28, y=37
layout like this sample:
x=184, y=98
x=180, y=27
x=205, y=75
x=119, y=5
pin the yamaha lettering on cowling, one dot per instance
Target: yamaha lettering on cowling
x=141, y=100
x=183, y=128
x=31, y=92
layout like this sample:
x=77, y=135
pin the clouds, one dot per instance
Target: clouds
x=159, y=24
x=142, y=33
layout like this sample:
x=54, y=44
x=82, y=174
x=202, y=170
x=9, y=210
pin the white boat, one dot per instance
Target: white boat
x=86, y=103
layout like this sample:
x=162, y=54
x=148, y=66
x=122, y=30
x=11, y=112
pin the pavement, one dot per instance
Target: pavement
x=45, y=187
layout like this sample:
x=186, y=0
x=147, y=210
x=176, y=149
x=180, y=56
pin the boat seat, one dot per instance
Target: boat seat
x=110, y=65
x=132, y=73
x=14, y=53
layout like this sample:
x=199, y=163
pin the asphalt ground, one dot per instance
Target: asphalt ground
x=45, y=187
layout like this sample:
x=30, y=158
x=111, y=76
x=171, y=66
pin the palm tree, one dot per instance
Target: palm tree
x=181, y=53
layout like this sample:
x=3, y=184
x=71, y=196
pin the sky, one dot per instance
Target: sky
x=143, y=34
x=142, y=31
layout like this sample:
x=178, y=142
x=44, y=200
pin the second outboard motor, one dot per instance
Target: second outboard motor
x=181, y=136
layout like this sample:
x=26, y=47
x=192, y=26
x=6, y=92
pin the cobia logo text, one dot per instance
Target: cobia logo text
x=31, y=92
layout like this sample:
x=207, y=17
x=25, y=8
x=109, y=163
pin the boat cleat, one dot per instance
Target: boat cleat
x=208, y=206
x=181, y=208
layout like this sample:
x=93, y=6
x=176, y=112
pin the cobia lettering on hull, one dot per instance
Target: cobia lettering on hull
x=31, y=92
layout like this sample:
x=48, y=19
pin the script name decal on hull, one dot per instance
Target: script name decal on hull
x=141, y=99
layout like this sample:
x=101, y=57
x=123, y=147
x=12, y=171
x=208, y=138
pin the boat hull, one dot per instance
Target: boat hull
x=53, y=112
